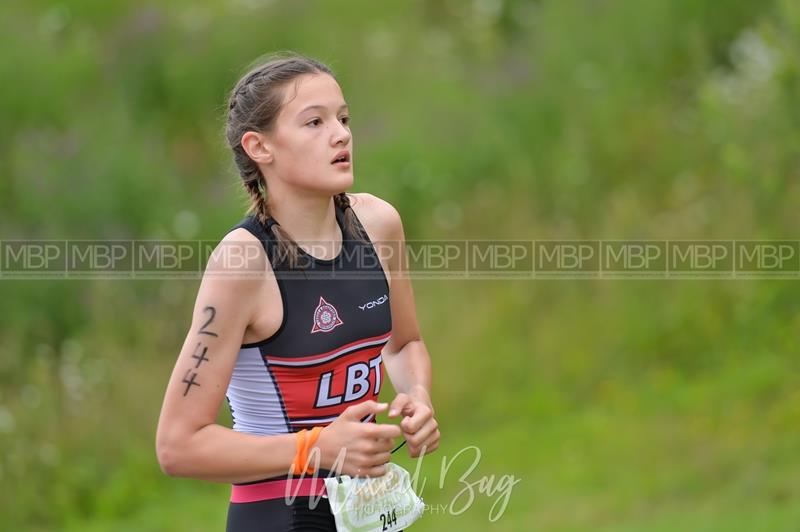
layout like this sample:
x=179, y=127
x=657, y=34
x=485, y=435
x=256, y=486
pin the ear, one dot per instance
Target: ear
x=256, y=146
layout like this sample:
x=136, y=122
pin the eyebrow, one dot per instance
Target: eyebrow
x=321, y=107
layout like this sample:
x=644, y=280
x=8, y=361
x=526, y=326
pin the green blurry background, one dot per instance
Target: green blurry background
x=620, y=405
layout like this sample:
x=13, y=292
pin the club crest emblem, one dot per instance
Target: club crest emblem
x=326, y=317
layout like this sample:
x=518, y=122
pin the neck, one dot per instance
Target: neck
x=309, y=220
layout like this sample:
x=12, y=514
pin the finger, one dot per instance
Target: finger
x=412, y=424
x=430, y=443
x=402, y=404
x=377, y=471
x=382, y=431
x=379, y=459
x=375, y=446
x=361, y=410
x=416, y=452
x=423, y=435
x=382, y=444
x=365, y=469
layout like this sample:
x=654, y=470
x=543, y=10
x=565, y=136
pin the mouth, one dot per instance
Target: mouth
x=342, y=158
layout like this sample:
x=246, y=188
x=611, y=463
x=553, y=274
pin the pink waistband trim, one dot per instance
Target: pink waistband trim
x=276, y=489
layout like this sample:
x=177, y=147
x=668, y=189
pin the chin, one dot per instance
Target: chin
x=330, y=185
x=344, y=182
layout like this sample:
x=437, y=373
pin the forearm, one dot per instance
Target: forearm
x=220, y=454
x=409, y=368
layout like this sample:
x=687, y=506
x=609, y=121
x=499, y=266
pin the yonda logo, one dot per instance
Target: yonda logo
x=374, y=303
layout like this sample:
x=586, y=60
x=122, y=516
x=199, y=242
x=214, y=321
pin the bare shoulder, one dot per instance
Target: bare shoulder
x=379, y=217
x=237, y=263
x=238, y=251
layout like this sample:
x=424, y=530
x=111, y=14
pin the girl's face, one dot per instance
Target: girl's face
x=311, y=131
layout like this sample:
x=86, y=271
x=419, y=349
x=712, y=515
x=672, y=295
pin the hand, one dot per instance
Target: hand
x=355, y=448
x=419, y=427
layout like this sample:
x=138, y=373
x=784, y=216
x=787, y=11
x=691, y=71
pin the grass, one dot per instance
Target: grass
x=618, y=405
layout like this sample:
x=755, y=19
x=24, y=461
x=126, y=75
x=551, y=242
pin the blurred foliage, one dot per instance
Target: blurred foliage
x=622, y=405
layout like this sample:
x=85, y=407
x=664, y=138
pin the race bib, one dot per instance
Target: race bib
x=374, y=504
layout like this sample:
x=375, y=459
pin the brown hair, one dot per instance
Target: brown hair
x=254, y=105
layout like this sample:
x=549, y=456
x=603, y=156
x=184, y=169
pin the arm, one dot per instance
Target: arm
x=188, y=441
x=405, y=355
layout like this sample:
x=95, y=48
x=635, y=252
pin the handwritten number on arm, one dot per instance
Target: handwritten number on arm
x=199, y=355
x=203, y=330
x=202, y=357
x=190, y=382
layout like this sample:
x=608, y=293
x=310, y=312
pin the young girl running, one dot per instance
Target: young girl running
x=295, y=336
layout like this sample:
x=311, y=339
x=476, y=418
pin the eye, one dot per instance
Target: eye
x=314, y=122
x=345, y=120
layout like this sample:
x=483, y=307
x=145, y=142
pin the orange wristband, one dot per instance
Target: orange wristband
x=305, y=440
x=299, y=458
x=310, y=441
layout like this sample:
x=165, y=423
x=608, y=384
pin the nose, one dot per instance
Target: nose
x=341, y=134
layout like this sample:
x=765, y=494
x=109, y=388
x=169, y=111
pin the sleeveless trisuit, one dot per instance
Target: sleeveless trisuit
x=324, y=357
